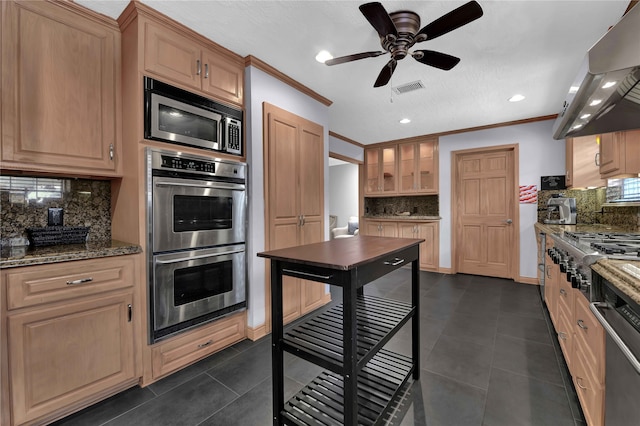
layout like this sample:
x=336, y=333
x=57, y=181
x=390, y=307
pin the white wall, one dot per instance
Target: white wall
x=338, y=146
x=261, y=87
x=540, y=155
x=343, y=192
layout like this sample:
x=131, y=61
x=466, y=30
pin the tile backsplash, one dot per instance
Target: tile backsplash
x=590, y=209
x=24, y=202
x=425, y=205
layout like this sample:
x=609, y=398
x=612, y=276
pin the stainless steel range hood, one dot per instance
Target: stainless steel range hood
x=609, y=74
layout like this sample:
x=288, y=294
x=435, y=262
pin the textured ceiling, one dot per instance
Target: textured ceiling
x=528, y=47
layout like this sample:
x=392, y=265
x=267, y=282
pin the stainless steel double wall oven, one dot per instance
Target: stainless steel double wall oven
x=197, y=230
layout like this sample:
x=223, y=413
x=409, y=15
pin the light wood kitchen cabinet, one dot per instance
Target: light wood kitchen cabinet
x=565, y=318
x=620, y=154
x=583, y=170
x=430, y=248
x=190, y=63
x=295, y=198
x=60, y=90
x=551, y=286
x=588, y=366
x=381, y=170
x=381, y=229
x=71, y=335
x=174, y=354
x=418, y=167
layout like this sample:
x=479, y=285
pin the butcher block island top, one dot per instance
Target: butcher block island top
x=362, y=378
x=343, y=253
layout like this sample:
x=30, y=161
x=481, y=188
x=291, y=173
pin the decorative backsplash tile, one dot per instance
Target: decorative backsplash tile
x=24, y=202
x=590, y=209
x=425, y=205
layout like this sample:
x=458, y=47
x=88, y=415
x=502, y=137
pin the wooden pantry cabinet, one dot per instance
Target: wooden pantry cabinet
x=620, y=154
x=69, y=336
x=60, y=90
x=294, y=199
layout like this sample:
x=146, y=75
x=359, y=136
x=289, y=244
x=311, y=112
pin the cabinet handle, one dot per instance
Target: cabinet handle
x=80, y=281
x=129, y=312
x=568, y=175
x=307, y=274
x=549, y=272
x=111, y=152
x=563, y=292
x=303, y=220
x=394, y=262
x=205, y=344
x=581, y=325
x=562, y=335
x=579, y=382
x=597, y=159
x=206, y=70
x=198, y=67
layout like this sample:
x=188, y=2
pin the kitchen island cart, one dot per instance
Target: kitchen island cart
x=362, y=378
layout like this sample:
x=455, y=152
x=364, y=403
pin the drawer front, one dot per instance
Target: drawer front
x=182, y=351
x=35, y=285
x=565, y=335
x=590, y=391
x=565, y=293
x=590, y=338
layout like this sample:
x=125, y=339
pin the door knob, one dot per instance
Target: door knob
x=508, y=221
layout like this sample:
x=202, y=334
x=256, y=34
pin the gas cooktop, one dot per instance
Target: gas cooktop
x=619, y=245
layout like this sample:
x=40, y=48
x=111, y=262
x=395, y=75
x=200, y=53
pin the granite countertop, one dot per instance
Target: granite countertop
x=411, y=217
x=11, y=257
x=548, y=228
x=624, y=274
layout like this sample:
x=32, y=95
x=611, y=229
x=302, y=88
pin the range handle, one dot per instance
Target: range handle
x=594, y=307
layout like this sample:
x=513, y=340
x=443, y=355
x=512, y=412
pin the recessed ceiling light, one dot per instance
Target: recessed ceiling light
x=405, y=121
x=608, y=84
x=516, y=98
x=595, y=102
x=323, y=56
x=577, y=126
x=573, y=89
x=583, y=116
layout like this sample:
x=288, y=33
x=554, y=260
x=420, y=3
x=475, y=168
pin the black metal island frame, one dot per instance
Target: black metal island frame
x=362, y=379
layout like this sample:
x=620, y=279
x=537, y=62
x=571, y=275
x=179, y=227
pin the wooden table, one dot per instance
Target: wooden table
x=358, y=368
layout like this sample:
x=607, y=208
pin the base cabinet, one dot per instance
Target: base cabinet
x=70, y=336
x=429, y=249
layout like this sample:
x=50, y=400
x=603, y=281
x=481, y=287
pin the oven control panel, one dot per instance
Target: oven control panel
x=186, y=164
x=176, y=164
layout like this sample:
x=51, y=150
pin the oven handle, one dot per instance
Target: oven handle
x=612, y=333
x=202, y=256
x=232, y=186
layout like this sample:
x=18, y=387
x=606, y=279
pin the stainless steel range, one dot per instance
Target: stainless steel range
x=575, y=252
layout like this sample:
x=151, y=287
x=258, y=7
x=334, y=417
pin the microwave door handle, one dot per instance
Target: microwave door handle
x=213, y=186
x=202, y=256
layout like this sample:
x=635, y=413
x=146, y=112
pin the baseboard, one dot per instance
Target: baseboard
x=527, y=280
x=255, y=333
x=445, y=270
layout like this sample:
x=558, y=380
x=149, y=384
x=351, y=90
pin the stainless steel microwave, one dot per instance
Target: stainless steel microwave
x=176, y=116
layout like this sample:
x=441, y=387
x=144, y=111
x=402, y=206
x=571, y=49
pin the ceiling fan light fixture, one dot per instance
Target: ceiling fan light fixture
x=516, y=98
x=323, y=56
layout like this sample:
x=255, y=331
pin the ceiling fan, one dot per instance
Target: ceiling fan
x=398, y=32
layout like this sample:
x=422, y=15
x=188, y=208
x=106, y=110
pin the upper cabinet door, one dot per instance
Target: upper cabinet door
x=169, y=54
x=418, y=166
x=380, y=170
x=222, y=77
x=60, y=90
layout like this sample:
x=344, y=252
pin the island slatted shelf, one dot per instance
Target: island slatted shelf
x=362, y=378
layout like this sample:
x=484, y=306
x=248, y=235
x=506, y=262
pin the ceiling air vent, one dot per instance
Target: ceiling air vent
x=409, y=87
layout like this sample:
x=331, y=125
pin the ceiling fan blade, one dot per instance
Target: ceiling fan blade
x=379, y=18
x=355, y=57
x=386, y=73
x=435, y=59
x=455, y=19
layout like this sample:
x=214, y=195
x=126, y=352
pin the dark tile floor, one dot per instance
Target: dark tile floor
x=488, y=357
